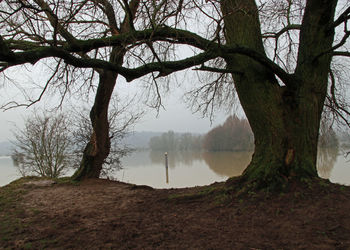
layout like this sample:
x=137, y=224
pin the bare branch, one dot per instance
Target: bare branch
x=282, y=31
x=180, y=36
x=218, y=70
x=54, y=21
x=341, y=53
x=342, y=18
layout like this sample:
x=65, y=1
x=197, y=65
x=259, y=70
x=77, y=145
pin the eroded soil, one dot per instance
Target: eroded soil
x=102, y=214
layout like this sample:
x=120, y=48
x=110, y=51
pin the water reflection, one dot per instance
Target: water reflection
x=8, y=172
x=166, y=168
x=207, y=164
x=196, y=168
x=185, y=169
x=227, y=164
x=326, y=158
x=166, y=175
x=175, y=157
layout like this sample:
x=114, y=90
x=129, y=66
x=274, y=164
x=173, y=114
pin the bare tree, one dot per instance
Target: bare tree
x=36, y=25
x=50, y=144
x=44, y=146
x=121, y=121
x=283, y=90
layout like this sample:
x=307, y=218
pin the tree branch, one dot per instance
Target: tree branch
x=282, y=31
x=54, y=21
x=212, y=50
x=288, y=79
x=342, y=18
x=341, y=53
x=130, y=11
x=218, y=70
x=109, y=11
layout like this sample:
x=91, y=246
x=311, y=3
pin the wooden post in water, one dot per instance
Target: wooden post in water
x=166, y=167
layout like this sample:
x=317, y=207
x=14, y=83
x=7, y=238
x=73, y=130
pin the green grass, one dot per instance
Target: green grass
x=66, y=180
x=28, y=245
x=10, y=194
x=10, y=211
x=218, y=195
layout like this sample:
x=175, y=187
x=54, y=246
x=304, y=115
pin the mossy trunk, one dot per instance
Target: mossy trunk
x=285, y=118
x=285, y=126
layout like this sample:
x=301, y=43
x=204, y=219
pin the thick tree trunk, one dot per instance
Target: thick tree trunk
x=284, y=119
x=285, y=126
x=97, y=150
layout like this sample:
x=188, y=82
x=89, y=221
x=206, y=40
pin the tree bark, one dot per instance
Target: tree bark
x=285, y=119
x=98, y=148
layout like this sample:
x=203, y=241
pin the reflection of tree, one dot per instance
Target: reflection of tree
x=175, y=157
x=326, y=158
x=171, y=141
x=227, y=163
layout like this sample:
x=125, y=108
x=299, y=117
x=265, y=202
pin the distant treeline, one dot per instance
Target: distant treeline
x=171, y=141
x=234, y=135
x=328, y=137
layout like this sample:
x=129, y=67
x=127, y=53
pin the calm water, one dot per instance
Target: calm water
x=193, y=168
x=8, y=172
x=185, y=169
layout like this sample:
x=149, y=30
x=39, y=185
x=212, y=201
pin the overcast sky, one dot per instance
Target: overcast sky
x=178, y=117
x=174, y=116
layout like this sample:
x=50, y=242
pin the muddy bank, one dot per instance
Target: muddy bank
x=107, y=214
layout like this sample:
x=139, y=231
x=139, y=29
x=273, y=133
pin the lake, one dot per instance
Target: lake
x=8, y=172
x=188, y=169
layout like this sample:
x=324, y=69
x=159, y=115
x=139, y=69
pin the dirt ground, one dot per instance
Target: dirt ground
x=102, y=214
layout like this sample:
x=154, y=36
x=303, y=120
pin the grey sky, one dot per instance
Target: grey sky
x=175, y=116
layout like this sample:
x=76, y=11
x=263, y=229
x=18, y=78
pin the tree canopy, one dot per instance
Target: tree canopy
x=276, y=55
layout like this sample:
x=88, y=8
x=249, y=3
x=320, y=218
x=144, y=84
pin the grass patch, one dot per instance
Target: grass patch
x=45, y=243
x=10, y=194
x=218, y=194
x=222, y=198
x=66, y=180
x=11, y=211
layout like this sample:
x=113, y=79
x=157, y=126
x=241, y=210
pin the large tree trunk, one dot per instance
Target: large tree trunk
x=97, y=149
x=284, y=119
x=285, y=126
